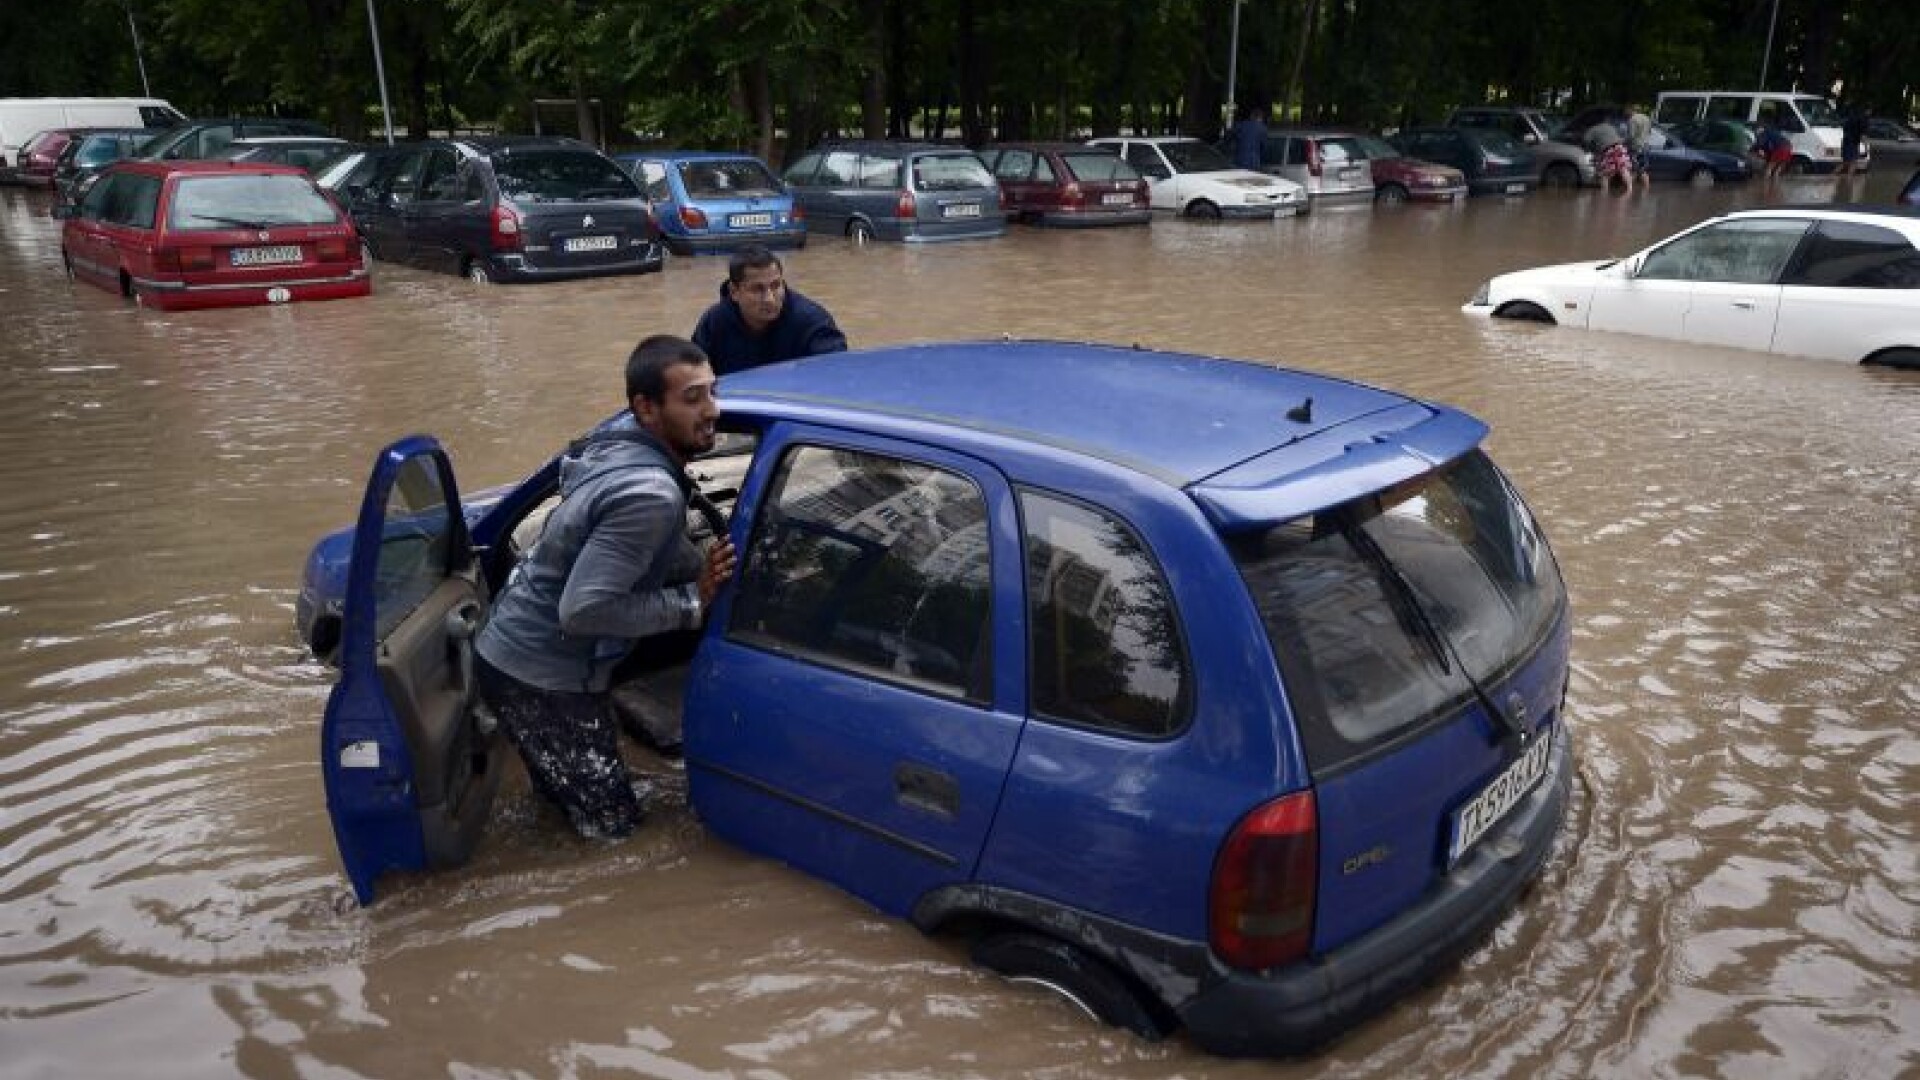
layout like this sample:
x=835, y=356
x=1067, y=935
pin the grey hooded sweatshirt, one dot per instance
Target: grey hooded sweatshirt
x=599, y=576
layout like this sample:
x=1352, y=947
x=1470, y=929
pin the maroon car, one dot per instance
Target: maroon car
x=1060, y=183
x=1397, y=178
x=39, y=155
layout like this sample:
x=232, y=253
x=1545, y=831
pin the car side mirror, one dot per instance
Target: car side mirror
x=1633, y=267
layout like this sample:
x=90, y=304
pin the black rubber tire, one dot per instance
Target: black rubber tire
x=1701, y=176
x=1203, y=210
x=1560, y=176
x=1524, y=311
x=1904, y=359
x=1073, y=974
x=1390, y=193
x=859, y=232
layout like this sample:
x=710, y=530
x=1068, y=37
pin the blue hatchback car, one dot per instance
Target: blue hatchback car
x=1204, y=693
x=708, y=202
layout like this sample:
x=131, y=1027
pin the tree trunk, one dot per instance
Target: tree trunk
x=873, y=88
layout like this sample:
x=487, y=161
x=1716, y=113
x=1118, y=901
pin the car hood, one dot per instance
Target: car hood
x=1564, y=275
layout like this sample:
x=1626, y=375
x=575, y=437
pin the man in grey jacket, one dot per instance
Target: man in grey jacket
x=613, y=564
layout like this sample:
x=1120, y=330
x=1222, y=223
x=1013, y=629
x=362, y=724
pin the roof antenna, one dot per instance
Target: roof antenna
x=1302, y=413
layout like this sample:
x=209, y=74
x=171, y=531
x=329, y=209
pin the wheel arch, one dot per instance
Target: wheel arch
x=1902, y=357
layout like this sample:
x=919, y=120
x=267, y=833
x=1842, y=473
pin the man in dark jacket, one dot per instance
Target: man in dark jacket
x=613, y=564
x=759, y=320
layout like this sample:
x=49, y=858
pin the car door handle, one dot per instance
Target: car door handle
x=1744, y=305
x=923, y=788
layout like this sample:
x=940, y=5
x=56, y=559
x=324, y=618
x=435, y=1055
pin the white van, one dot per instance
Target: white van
x=23, y=118
x=1810, y=122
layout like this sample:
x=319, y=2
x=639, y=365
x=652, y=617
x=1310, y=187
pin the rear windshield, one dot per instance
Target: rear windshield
x=949, y=172
x=1100, y=165
x=561, y=176
x=727, y=179
x=1375, y=149
x=248, y=202
x=1380, y=610
x=1334, y=151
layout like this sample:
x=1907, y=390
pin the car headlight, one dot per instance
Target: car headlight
x=1480, y=294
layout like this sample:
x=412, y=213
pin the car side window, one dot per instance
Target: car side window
x=1851, y=255
x=440, y=181
x=400, y=178
x=840, y=168
x=473, y=186
x=1043, y=170
x=1103, y=637
x=1013, y=165
x=1146, y=159
x=872, y=564
x=801, y=172
x=212, y=140
x=1750, y=252
x=93, y=204
x=879, y=172
x=132, y=201
x=416, y=544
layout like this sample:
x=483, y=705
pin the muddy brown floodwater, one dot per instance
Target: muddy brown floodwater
x=1736, y=892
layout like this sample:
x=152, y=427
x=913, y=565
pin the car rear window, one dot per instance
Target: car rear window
x=561, y=176
x=949, y=172
x=1375, y=149
x=247, y=202
x=1100, y=165
x=727, y=179
x=1379, y=611
x=1340, y=151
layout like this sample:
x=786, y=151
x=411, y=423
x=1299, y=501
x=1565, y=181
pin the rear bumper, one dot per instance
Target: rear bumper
x=1075, y=219
x=1302, y=1007
x=705, y=245
x=1499, y=185
x=513, y=267
x=182, y=296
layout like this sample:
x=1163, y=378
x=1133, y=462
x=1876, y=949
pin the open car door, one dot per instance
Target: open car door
x=411, y=769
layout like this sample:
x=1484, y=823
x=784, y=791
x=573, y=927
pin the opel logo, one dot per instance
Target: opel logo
x=264, y=234
x=587, y=222
x=1517, y=712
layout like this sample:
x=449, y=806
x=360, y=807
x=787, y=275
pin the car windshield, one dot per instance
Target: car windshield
x=1099, y=165
x=727, y=179
x=1820, y=112
x=248, y=202
x=1499, y=142
x=949, y=172
x=1375, y=149
x=1195, y=157
x=561, y=176
x=1382, y=613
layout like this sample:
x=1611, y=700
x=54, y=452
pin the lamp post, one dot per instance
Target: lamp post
x=1768, y=54
x=1233, y=59
x=145, y=90
x=380, y=69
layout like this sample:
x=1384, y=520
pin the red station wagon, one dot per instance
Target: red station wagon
x=193, y=234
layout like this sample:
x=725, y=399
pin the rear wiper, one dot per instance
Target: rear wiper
x=238, y=223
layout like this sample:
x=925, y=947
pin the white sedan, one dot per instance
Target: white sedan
x=1839, y=283
x=1186, y=176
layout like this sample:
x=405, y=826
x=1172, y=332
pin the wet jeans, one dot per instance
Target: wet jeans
x=570, y=743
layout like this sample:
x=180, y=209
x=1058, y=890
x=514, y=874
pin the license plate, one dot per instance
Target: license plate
x=1515, y=189
x=965, y=209
x=265, y=256
x=1116, y=199
x=590, y=243
x=1349, y=174
x=1485, y=810
x=750, y=221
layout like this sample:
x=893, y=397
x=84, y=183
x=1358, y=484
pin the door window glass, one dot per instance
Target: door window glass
x=1014, y=165
x=416, y=544
x=841, y=168
x=211, y=141
x=93, y=205
x=879, y=172
x=398, y=176
x=1105, y=645
x=801, y=172
x=133, y=201
x=1750, y=252
x=1850, y=255
x=1147, y=160
x=440, y=182
x=872, y=564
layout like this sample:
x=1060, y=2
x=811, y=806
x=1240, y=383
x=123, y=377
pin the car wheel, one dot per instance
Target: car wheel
x=66, y=263
x=1560, y=175
x=1390, y=193
x=126, y=287
x=859, y=231
x=477, y=272
x=1905, y=359
x=1053, y=965
x=1523, y=311
x=1201, y=208
x=1701, y=176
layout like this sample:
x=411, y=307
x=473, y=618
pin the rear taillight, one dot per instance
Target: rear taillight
x=184, y=258
x=1261, y=905
x=1072, y=195
x=1313, y=157
x=331, y=249
x=506, y=228
x=904, y=207
x=799, y=213
x=693, y=217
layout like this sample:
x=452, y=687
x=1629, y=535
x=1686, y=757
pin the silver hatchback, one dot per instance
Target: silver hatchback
x=1329, y=164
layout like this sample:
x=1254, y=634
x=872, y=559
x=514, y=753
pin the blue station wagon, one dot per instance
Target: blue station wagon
x=716, y=202
x=1204, y=693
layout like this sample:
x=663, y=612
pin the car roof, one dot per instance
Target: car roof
x=290, y=140
x=1830, y=210
x=685, y=155
x=891, y=146
x=1055, y=146
x=1147, y=138
x=1176, y=417
x=489, y=144
x=203, y=167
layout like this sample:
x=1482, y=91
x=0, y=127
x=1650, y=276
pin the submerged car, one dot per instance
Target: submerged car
x=716, y=202
x=1247, y=721
x=1192, y=179
x=1068, y=184
x=83, y=158
x=1670, y=158
x=884, y=189
x=1835, y=282
x=520, y=208
x=1398, y=178
x=198, y=234
x=1493, y=162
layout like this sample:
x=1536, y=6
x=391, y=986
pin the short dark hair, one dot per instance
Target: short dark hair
x=751, y=257
x=647, y=365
